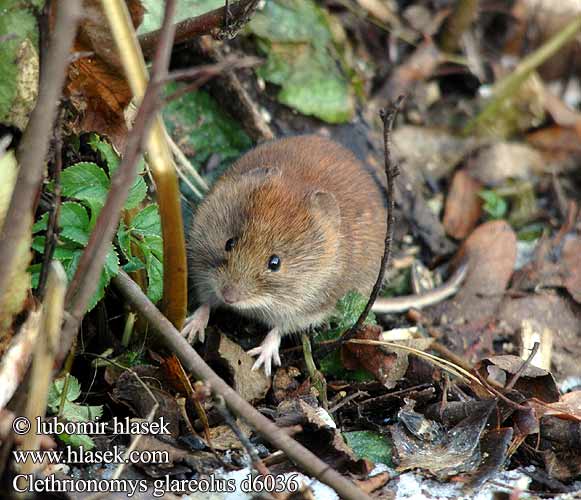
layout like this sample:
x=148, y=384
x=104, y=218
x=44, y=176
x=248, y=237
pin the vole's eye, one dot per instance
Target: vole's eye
x=230, y=244
x=274, y=263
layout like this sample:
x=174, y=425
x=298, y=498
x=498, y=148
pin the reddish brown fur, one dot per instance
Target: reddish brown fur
x=307, y=200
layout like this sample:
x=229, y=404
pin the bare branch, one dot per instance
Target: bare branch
x=166, y=333
x=35, y=141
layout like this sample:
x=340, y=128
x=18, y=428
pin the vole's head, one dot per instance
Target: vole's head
x=260, y=244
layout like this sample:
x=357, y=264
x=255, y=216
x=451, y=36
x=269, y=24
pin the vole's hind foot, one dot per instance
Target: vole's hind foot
x=195, y=326
x=267, y=352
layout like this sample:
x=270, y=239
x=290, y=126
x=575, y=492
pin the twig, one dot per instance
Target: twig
x=159, y=158
x=459, y=21
x=523, y=367
x=258, y=464
x=52, y=229
x=36, y=138
x=192, y=362
x=46, y=349
x=391, y=172
x=205, y=24
x=91, y=263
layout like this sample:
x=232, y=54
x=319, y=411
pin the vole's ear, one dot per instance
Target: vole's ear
x=262, y=173
x=326, y=203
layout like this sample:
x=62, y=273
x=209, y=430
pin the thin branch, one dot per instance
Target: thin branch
x=36, y=139
x=92, y=260
x=523, y=367
x=52, y=229
x=173, y=341
x=391, y=172
x=208, y=23
x=258, y=464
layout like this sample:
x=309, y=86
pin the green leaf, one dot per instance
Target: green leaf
x=370, y=445
x=74, y=222
x=71, y=412
x=331, y=364
x=111, y=159
x=106, y=151
x=41, y=224
x=147, y=222
x=56, y=389
x=137, y=193
x=64, y=251
x=203, y=128
x=494, y=205
x=154, y=278
x=184, y=9
x=18, y=60
x=86, y=181
x=77, y=440
x=301, y=58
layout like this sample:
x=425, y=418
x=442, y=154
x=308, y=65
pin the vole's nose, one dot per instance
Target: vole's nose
x=230, y=294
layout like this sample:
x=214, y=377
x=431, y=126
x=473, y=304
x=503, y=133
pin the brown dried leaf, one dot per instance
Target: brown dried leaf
x=97, y=86
x=370, y=357
x=533, y=382
x=491, y=254
x=250, y=385
x=463, y=205
x=571, y=262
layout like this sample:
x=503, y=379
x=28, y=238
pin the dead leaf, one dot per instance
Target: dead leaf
x=463, y=205
x=250, y=385
x=129, y=391
x=443, y=453
x=533, y=382
x=319, y=434
x=491, y=254
x=371, y=358
x=96, y=84
x=571, y=261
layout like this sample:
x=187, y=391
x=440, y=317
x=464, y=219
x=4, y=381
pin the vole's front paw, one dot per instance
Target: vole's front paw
x=195, y=326
x=267, y=352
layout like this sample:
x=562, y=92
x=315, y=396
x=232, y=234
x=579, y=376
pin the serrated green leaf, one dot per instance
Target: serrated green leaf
x=370, y=445
x=184, y=10
x=134, y=264
x=138, y=190
x=106, y=151
x=111, y=263
x=154, y=278
x=124, y=240
x=56, y=389
x=77, y=440
x=136, y=194
x=41, y=224
x=147, y=222
x=73, y=215
x=64, y=251
x=86, y=181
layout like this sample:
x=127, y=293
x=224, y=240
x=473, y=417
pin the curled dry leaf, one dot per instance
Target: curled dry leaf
x=318, y=433
x=533, y=382
x=96, y=85
x=251, y=385
x=387, y=364
x=463, y=205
